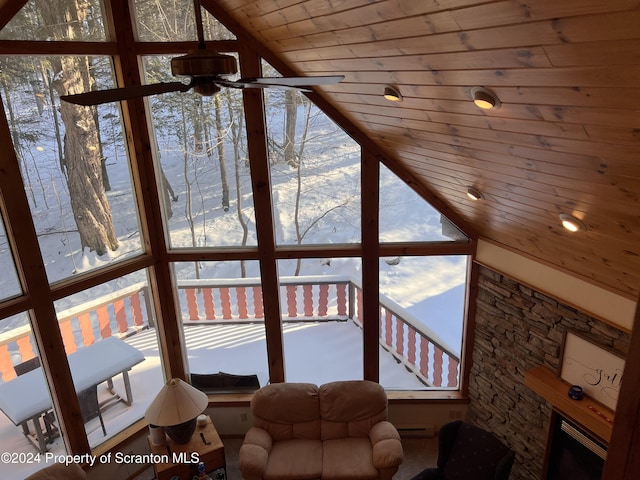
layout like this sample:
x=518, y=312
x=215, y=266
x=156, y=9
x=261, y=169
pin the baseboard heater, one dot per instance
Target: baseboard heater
x=418, y=431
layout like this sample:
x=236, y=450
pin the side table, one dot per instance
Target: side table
x=172, y=459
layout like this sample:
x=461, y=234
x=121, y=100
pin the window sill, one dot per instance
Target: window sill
x=394, y=396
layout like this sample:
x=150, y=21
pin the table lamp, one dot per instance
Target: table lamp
x=176, y=408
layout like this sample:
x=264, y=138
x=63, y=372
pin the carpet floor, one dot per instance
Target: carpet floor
x=419, y=453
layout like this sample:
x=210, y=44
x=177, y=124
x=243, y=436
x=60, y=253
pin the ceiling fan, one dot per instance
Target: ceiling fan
x=209, y=71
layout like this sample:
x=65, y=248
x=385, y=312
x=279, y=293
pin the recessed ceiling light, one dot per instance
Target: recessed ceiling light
x=474, y=194
x=485, y=99
x=572, y=223
x=392, y=94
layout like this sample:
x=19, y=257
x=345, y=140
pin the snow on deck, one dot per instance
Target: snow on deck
x=315, y=352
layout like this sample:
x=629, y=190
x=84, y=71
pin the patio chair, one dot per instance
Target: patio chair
x=90, y=407
x=467, y=452
x=48, y=418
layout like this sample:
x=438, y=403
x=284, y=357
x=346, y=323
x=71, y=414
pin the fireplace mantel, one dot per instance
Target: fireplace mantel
x=591, y=415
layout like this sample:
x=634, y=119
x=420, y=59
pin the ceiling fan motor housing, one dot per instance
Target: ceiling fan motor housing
x=203, y=63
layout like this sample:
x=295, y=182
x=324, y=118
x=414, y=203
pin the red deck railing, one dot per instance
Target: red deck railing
x=122, y=313
x=327, y=299
x=240, y=300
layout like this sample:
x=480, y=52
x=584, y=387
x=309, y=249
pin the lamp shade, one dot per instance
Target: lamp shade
x=176, y=403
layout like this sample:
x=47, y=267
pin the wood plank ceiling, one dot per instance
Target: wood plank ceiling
x=565, y=140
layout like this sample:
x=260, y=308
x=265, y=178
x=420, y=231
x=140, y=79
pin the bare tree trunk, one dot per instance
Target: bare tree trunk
x=235, y=126
x=46, y=79
x=291, y=106
x=82, y=159
x=103, y=160
x=83, y=162
x=220, y=143
x=189, y=192
x=17, y=142
x=303, y=142
x=199, y=130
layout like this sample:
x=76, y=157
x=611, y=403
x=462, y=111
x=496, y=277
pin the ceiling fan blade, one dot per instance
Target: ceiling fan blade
x=98, y=97
x=298, y=83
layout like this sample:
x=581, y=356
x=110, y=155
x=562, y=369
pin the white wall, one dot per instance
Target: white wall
x=603, y=304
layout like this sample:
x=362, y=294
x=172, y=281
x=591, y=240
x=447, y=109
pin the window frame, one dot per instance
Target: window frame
x=39, y=296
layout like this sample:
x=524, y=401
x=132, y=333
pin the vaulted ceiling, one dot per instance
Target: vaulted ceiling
x=566, y=138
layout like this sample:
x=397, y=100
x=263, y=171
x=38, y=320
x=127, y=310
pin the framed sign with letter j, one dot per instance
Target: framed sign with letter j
x=596, y=370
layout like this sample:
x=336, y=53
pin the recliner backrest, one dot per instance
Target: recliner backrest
x=287, y=411
x=350, y=408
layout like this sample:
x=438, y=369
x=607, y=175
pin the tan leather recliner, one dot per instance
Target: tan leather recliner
x=59, y=471
x=336, y=431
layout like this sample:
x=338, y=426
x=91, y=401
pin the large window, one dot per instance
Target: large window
x=321, y=330
x=204, y=171
x=174, y=21
x=53, y=21
x=315, y=172
x=20, y=372
x=222, y=318
x=145, y=218
x=75, y=167
x=109, y=334
x=407, y=217
x=422, y=315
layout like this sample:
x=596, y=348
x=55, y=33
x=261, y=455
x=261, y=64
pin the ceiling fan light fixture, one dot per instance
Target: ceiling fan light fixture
x=474, y=194
x=571, y=223
x=485, y=98
x=202, y=62
x=392, y=94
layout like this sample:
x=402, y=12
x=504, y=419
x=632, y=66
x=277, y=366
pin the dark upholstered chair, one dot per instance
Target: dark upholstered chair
x=89, y=406
x=467, y=452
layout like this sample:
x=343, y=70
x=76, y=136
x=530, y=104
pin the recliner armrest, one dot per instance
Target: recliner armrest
x=387, y=448
x=254, y=453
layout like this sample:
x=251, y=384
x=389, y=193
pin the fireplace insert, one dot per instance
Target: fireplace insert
x=573, y=453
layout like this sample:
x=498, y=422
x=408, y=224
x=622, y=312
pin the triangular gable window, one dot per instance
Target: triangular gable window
x=407, y=217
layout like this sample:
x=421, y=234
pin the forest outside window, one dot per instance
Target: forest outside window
x=315, y=172
x=52, y=21
x=74, y=163
x=201, y=153
x=174, y=22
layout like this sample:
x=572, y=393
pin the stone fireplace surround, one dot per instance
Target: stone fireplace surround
x=518, y=328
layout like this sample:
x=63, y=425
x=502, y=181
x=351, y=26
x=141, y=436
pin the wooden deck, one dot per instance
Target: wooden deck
x=317, y=352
